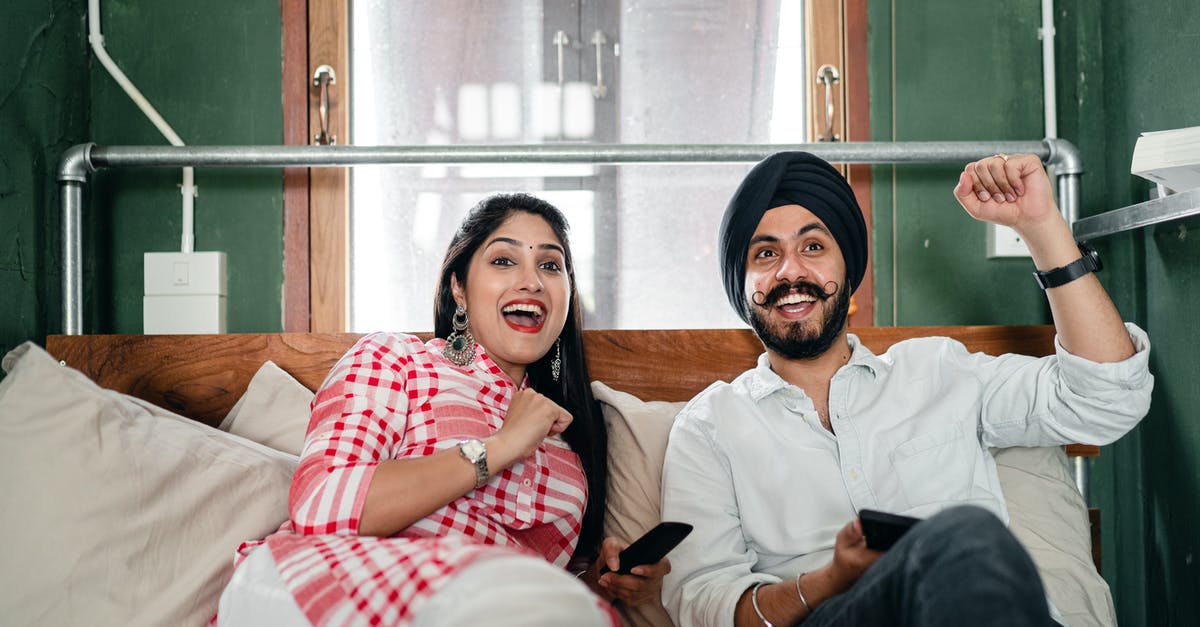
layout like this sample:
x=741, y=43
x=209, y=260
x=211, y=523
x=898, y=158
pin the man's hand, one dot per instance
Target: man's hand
x=1012, y=191
x=851, y=557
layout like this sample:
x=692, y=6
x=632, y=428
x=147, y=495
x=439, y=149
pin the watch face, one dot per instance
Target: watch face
x=1093, y=257
x=473, y=449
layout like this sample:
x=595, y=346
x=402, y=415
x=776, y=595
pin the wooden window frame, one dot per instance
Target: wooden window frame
x=316, y=200
x=837, y=35
x=296, y=304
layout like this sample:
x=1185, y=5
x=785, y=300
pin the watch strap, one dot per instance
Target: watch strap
x=1089, y=262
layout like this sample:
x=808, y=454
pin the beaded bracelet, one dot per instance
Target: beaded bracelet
x=807, y=609
x=754, y=602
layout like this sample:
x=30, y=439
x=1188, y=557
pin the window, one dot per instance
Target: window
x=670, y=72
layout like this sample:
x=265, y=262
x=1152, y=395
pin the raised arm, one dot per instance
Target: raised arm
x=404, y=491
x=347, y=481
x=1015, y=192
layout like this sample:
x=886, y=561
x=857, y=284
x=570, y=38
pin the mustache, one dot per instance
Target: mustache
x=819, y=292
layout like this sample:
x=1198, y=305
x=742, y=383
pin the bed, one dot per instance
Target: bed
x=133, y=473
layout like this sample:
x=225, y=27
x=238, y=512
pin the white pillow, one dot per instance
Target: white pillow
x=1046, y=512
x=117, y=512
x=637, y=444
x=274, y=411
x=1049, y=517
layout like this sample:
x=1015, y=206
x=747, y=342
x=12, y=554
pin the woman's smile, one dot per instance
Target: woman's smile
x=526, y=315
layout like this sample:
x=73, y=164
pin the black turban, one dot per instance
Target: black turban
x=790, y=178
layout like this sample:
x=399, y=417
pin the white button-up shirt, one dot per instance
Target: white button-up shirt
x=767, y=487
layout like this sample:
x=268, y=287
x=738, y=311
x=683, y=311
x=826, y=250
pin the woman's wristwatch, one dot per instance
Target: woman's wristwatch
x=475, y=451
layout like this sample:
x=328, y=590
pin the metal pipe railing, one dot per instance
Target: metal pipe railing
x=72, y=256
x=1052, y=152
x=81, y=160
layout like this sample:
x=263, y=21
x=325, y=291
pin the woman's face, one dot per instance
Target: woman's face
x=517, y=292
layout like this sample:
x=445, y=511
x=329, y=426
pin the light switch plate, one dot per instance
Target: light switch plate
x=184, y=273
x=1004, y=242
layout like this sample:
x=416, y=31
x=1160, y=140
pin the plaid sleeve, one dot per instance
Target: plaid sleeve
x=358, y=416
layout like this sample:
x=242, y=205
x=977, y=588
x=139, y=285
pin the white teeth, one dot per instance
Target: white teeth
x=526, y=307
x=792, y=299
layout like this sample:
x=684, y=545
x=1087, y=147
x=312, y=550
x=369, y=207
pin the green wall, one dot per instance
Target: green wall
x=948, y=71
x=43, y=111
x=1148, y=60
x=960, y=71
x=213, y=70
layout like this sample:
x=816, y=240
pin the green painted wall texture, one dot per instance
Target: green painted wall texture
x=940, y=70
x=1152, y=81
x=954, y=70
x=213, y=70
x=43, y=111
x=948, y=71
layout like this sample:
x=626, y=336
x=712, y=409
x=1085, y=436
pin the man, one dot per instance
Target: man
x=773, y=468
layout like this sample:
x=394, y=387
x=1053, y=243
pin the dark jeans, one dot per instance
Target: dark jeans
x=959, y=567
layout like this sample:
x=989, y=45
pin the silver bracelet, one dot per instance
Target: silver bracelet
x=754, y=602
x=807, y=609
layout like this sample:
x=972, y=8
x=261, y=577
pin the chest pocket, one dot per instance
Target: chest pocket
x=936, y=466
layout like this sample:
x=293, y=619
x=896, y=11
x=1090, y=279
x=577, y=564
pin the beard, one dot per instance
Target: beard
x=794, y=340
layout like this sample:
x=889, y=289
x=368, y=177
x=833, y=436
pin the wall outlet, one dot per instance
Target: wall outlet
x=184, y=293
x=1004, y=242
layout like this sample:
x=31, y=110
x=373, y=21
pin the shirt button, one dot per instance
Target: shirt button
x=854, y=474
x=527, y=483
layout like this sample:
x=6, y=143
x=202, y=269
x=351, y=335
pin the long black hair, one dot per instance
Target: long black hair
x=586, y=434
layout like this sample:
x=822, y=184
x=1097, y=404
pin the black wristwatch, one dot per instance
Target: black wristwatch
x=1090, y=262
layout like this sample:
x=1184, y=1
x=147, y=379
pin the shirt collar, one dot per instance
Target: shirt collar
x=763, y=381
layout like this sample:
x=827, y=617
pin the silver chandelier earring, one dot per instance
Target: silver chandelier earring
x=556, y=363
x=460, y=346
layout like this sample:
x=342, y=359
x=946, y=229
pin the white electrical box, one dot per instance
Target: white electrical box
x=1002, y=241
x=184, y=293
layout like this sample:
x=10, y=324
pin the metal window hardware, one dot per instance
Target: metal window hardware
x=827, y=75
x=322, y=79
x=599, y=90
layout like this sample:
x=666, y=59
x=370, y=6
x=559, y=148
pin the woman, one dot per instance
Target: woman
x=452, y=481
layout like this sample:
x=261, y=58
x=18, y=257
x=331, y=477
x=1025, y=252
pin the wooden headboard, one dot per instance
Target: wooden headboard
x=202, y=376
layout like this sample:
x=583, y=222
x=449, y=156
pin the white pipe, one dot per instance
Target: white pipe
x=1046, y=33
x=188, y=187
x=187, y=237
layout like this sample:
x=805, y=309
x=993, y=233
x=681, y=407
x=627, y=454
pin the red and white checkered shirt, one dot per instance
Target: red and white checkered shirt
x=392, y=397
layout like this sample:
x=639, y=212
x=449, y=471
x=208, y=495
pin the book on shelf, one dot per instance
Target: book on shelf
x=1169, y=158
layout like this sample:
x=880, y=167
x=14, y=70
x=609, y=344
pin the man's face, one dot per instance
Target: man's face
x=796, y=283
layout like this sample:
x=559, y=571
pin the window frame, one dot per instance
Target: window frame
x=316, y=200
